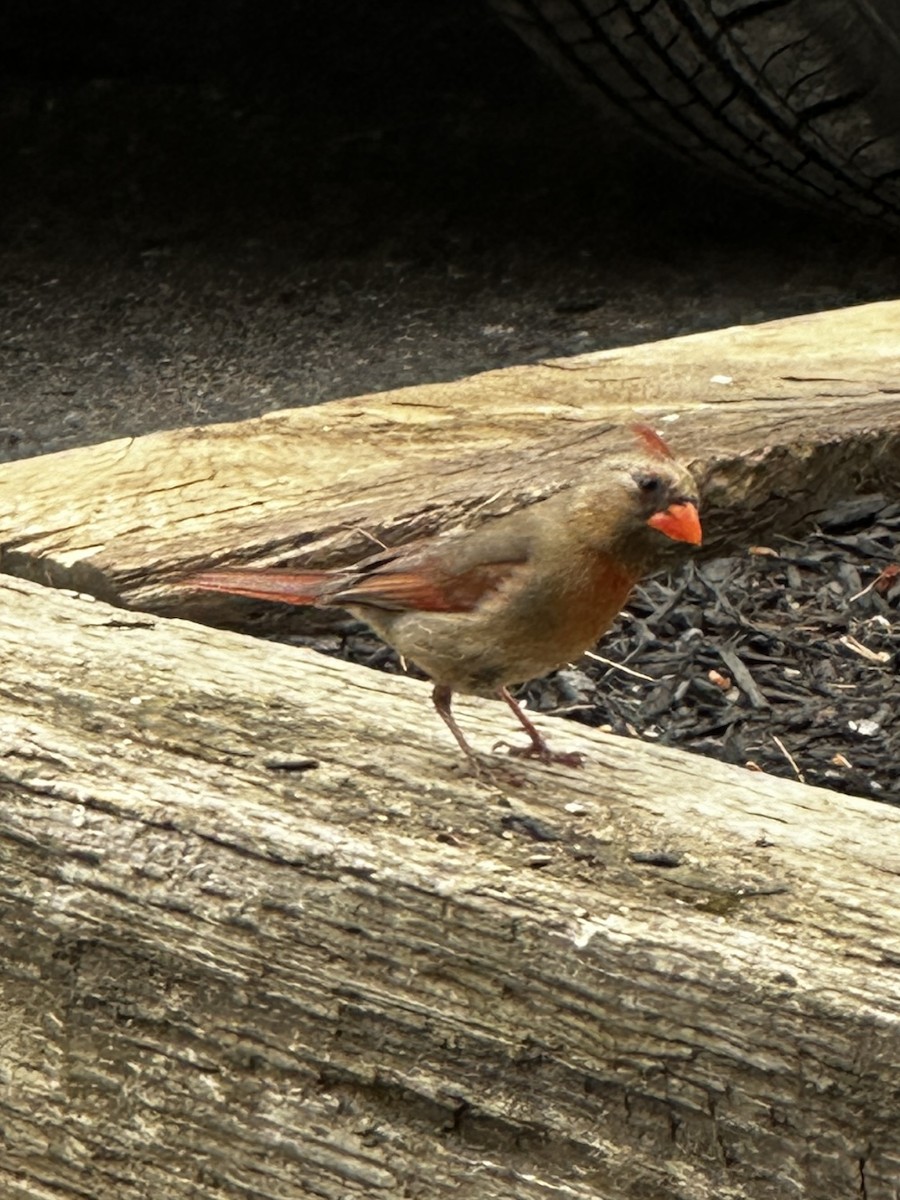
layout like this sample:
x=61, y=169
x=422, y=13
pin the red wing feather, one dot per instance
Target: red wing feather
x=428, y=591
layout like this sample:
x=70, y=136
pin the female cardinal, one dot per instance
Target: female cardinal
x=480, y=609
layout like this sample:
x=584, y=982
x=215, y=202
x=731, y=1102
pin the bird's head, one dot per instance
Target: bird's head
x=645, y=508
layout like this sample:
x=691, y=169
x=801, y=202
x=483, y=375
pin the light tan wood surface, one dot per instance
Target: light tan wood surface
x=779, y=420
x=377, y=976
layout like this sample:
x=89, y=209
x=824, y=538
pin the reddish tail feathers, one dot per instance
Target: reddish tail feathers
x=290, y=587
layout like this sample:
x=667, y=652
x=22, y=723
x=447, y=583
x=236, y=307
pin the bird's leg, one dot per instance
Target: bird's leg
x=442, y=696
x=538, y=748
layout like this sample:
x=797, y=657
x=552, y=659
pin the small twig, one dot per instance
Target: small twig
x=787, y=754
x=863, y=592
x=872, y=656
x=371, y=536
x=484, y=503
x=881, y=581
x=565, y=708
x=608, y=662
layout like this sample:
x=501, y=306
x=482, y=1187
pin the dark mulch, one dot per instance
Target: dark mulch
x=782, y=659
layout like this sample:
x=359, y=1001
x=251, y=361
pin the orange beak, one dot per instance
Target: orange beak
x=681, y=522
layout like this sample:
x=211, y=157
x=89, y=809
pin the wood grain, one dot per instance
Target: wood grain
x=375, y=976
x=779, y=420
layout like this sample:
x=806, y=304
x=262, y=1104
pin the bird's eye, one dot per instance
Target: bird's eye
x=649, y=484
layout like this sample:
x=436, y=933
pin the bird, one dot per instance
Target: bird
x=482, y=609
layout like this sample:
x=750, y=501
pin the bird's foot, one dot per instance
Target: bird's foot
x=542, y=752
x=492, y=773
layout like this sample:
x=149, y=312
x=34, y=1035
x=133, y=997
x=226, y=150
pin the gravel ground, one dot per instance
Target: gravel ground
x=319, y=204
x=198, y=228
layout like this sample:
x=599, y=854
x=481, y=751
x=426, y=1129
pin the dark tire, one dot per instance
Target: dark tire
x=801, y=95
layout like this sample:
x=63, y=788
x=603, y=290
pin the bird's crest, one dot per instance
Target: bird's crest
x=652, y=442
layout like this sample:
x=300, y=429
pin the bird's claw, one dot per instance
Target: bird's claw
x=542, y=752
x=495, y=775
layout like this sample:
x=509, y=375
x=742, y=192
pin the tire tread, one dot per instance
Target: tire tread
x=746, y=85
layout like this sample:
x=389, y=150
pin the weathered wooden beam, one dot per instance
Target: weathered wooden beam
x=779, y=419
x=372, y=975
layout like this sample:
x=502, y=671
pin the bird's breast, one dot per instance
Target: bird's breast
x=586, y=599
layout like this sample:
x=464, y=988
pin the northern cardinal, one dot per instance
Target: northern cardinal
x=480, y=609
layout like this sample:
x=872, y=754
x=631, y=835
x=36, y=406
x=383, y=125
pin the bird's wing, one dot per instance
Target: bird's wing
x=450, y=573
x=431, y=588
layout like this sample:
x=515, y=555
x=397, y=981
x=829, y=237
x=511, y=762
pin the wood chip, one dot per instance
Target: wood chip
x=742, y=677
